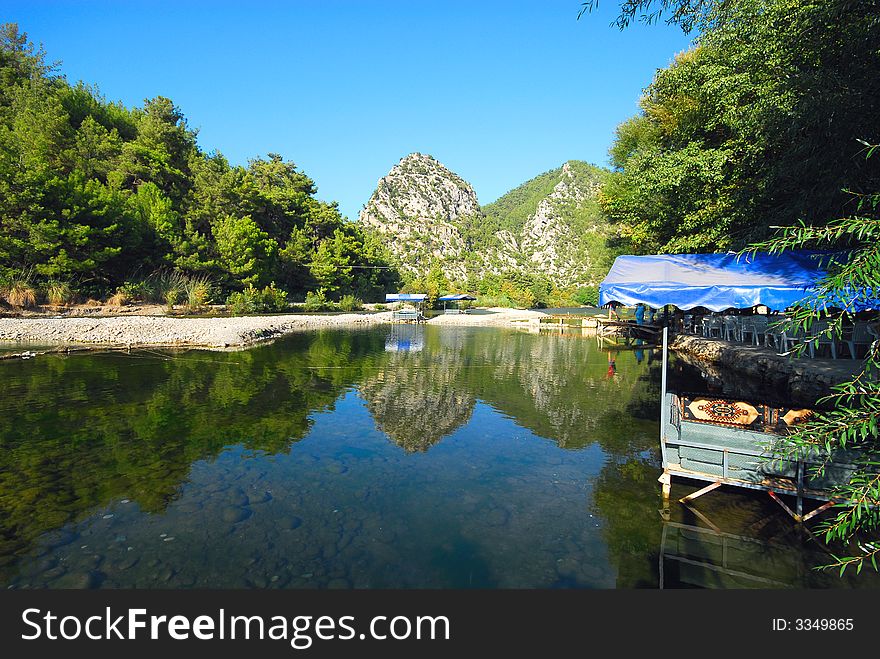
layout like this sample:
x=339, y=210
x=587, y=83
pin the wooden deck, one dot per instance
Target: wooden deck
x=726, y=442
x=628, y=329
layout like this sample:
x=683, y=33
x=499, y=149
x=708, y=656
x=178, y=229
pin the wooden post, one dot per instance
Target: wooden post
x=666, y=483
x=666, y=478
x=799, y=509
x=663, y=406
x=822, y=508
x=793, y=514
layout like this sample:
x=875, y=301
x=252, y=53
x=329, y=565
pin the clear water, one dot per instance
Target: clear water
x=385, y=458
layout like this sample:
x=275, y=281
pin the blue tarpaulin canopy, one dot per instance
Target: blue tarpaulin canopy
x=405, y=297
x=455, y=297
x=715, y=281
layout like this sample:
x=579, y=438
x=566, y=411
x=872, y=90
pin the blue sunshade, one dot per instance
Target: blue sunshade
x=721, y=281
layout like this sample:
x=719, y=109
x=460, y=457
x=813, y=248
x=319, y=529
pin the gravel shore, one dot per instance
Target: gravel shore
x=212, y=332
x=156, y=331
x=494, y=316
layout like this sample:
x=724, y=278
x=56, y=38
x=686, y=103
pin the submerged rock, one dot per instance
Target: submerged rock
x=289, y=523
x=235, y=514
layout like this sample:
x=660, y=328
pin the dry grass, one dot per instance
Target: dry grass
x=91, y=302
x=119, y=299
x=19, y=293
x=58, y=293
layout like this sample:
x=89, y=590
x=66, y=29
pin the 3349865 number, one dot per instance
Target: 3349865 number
x=823, y=624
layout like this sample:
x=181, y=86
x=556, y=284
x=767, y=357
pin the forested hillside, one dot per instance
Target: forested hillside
x=764, y=122
x=543, y=243
x=97, y=198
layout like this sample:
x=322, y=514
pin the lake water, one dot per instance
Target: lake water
x=404, y=457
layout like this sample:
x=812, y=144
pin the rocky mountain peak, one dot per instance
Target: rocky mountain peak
x=418, y=202
x=549, y=225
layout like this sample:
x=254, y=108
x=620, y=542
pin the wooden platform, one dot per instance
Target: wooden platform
x=726, y=442
x=628, y=328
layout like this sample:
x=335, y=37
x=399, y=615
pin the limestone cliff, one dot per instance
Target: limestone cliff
x=417, y=208
x=550, y=225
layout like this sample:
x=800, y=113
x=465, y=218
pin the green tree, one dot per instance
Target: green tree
x=331, y=265
x=95, y=149
x=161, y=151
x=850, y=424
x=246, y=251
x=756, y=125
x=92, y=190
x=759, y=127
x=435, y=284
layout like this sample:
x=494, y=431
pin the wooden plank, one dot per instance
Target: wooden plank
x=701, y=492
x=825, y=506
x=703, y=518
x=764, y=486
x=734, y=573
x=794, y=515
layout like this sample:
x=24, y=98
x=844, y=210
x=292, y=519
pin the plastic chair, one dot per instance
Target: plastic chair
x=819, y=337
x=731, y=328
x=783, y=339
x=758, y=329
x=858, y=335
x=712, y=327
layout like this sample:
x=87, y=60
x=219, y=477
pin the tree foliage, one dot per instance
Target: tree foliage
x=756, y=125
x=94, y=194
x=685, y=13
x=849, y=428
x=756, y=139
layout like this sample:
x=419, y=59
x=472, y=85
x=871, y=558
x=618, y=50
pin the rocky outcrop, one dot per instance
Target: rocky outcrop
x=800, y=380
x=548, y=234
x=551, y=225
x=417, y=207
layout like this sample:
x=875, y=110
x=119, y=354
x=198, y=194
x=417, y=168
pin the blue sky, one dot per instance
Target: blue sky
x=497, y=91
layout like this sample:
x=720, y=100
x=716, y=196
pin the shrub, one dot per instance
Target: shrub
x=587, y=295
x=134, y=291
x=130, y=291
x=58, y=292
x=494, y=301
x=171, y=296
x=241, y=303
x=316, y=301
x=157, y=286
x=272, y=298
x=19, y=292
x=380, y=307
x=254, y=300
x=198, y=291
x=350, y=303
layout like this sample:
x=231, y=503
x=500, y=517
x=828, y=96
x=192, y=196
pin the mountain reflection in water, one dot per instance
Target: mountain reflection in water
x=398, y=457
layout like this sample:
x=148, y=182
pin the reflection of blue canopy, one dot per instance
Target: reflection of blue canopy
x=716, y=281
x=405, y=297
x=455, y=297
x=405, y=338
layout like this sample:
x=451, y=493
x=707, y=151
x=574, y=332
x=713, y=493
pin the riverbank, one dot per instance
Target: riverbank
x=797, y=379
x=495, y=316
x=214, y=332
x=169, y=331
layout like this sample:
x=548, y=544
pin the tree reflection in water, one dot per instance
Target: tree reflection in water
x=508, y=459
